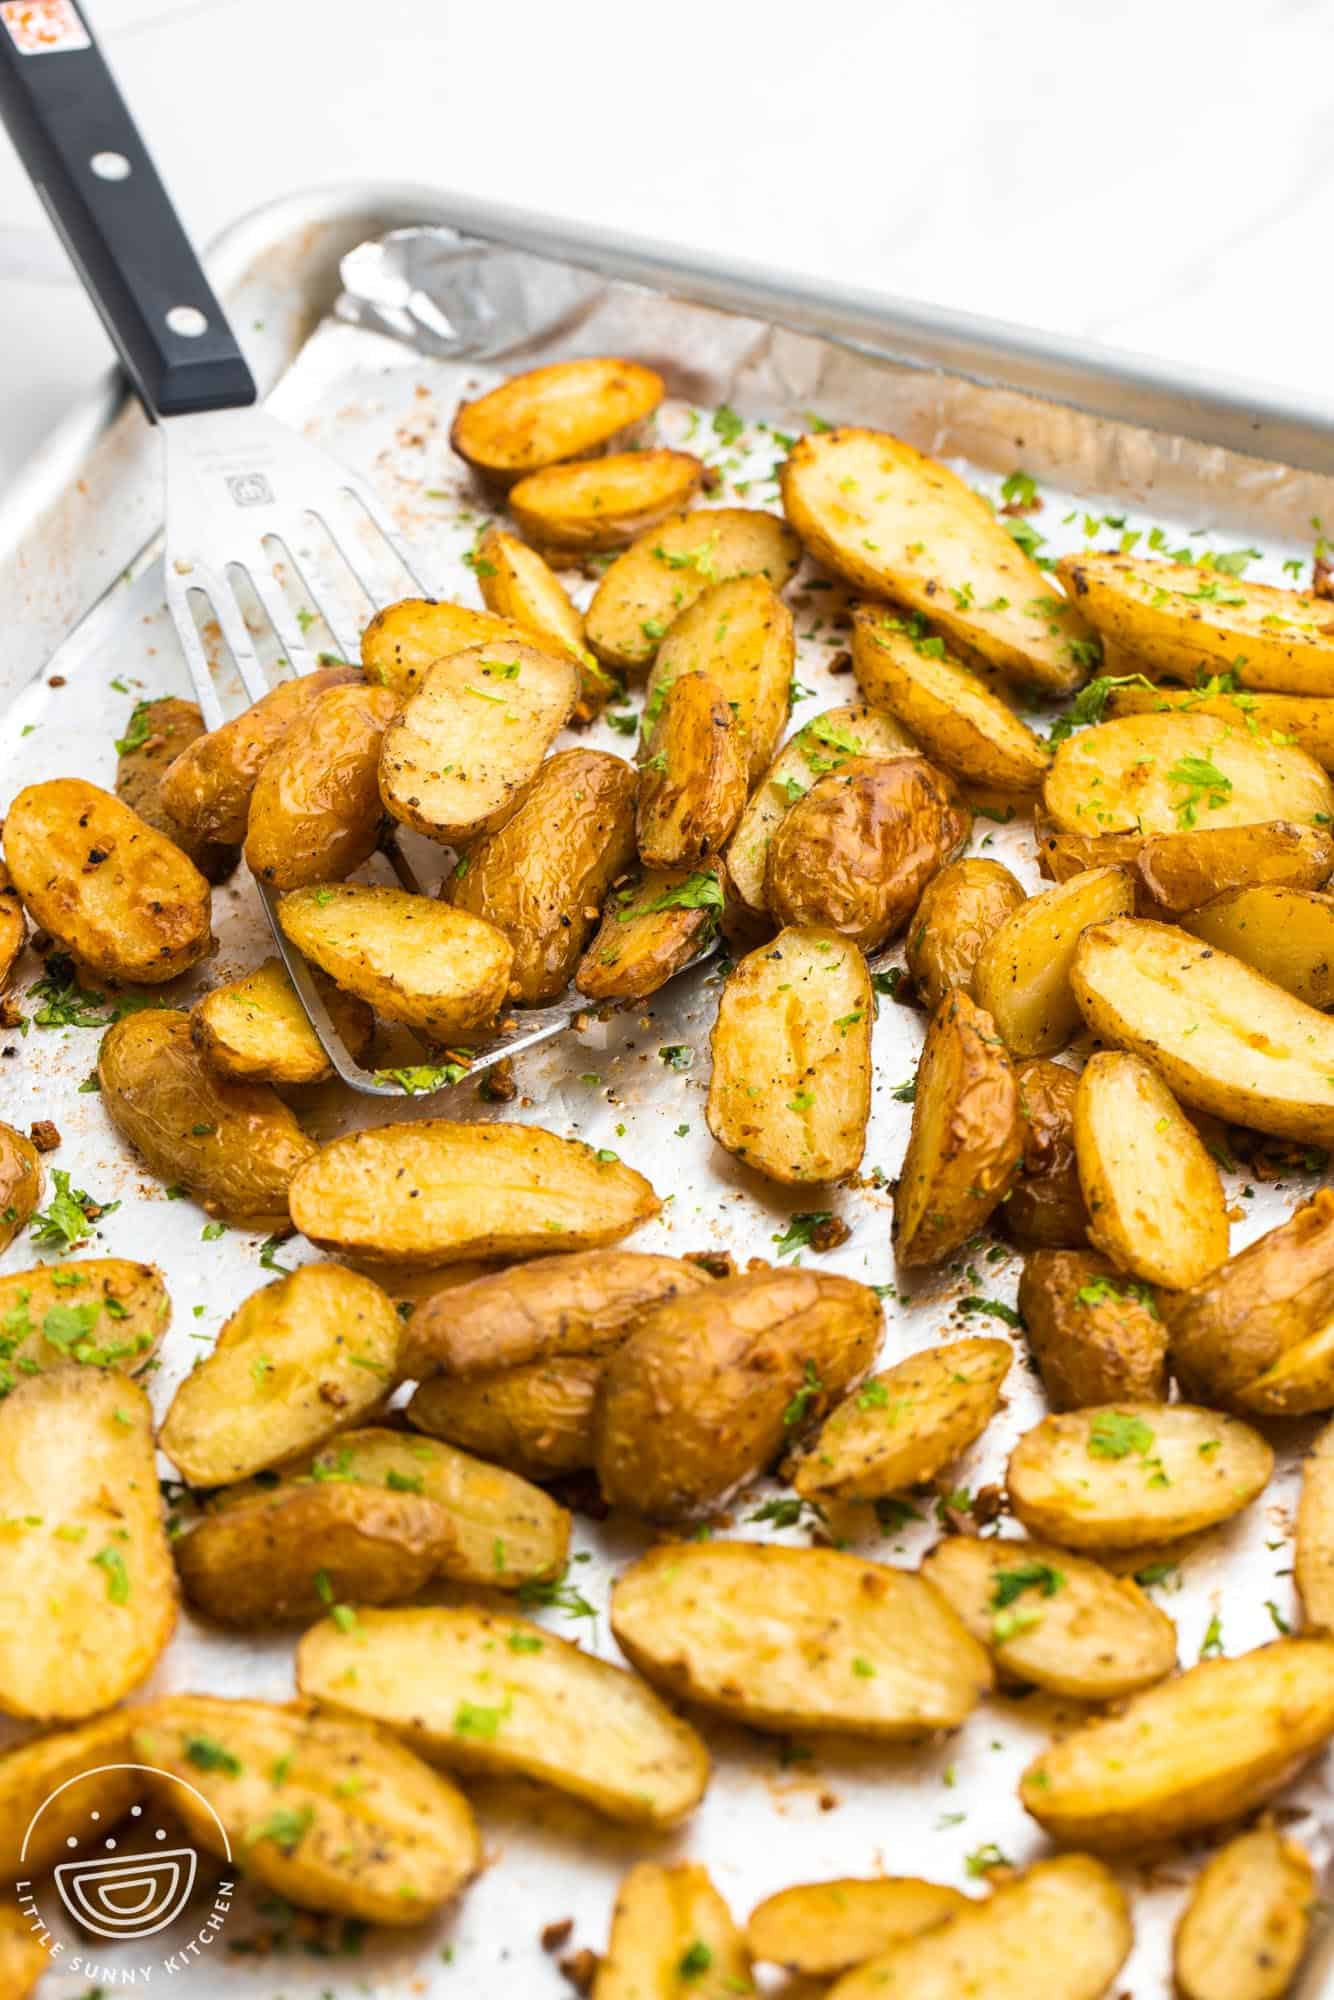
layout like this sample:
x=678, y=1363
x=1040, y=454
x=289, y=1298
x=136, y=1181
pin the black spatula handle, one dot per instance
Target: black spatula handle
x=81, y=148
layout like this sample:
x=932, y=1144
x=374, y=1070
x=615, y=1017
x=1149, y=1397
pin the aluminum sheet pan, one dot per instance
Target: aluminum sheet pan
x=775, y=1814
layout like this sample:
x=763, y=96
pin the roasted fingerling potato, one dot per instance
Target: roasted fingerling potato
x=581, y=509
x=902, y=1426
x=1045, y=1208
x=43, y=1816
x=739, y=633
x=1306, y=720
x=961, y=908
x=23, y=1956
x=545, y=415
x=1245, y=1928
x=666, y=568
x=1148, y=774
x=403, y=642
x=824, y=1928
x=159, y=730
x=255, y=1029
x=315, y=812
x=651, y=929
x=692, y=782
x=1175, y=872
x=13, y=927
x=672, y=1936
x=1314, y=1558
x=1287, y=935
x=207, y=788
x=967, y=1135
x=22, y=1179
x=101, y=1312
x=1022, y=976
x=1096, y=1333
x=536, y=1420
x=517, y=586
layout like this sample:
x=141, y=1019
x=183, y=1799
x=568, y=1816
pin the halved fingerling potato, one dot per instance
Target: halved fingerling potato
x=966, y=1138
x=233, y=1146
x=315, y=812
x=23, y=1956
x=1287, y=935
x=1155, y=1201
x=665, y=569
x=308, y=1355
x=13, y=927
x=603, y=503
x=536, y=1419
x=1054, y=1620
x=517, y=586
x=739, y=633
x=42, y=1816
x=1179, y=1758
x=543, y=876
x=22, y=1179
x=1314, y=1558
x=207, y=788
x=1046, y=1205
x=328, y=1812
x=118, y=895
x=826, y=1927
x=692, y=784
x=1169, y=773
x=101, y=1312
x=442, y=1190
x=902, y=666
x=1116, y=1474
x=403, y=642
x=159, y=731
x=1096, y=1334
x=548, y=414
x=1306, y=720
x=1242, y=1934
x=900, y=525
x=651, y=929
x=902, y=1426
x=85, y=1539
x=790, y=1092
x=255, y=1029
x=961, y=908
x=1175, y=872
x=1223, y=1038
x=485, y=1692
x=456, y=757
x=774, y=1636
x=1022, y=973
x=672, y=1935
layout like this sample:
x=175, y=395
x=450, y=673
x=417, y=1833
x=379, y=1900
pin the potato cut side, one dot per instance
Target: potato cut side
x=1155, y=1201
x=1170, y=773
x=256, y=1029
x=101, y=1312
x=302, y=1358
x=517, y=585
x=1243, y=1932
x=329, y=1813
x=692, y=784
x=961, y=909
x=1046, y=1206
x=603, y=503
x=39, y=1806
x=483, y=1692
x=22, y=1183
x=1052, y=1619
x=1314, y=1559
x=1193, y=1752
x=548, y=414
x=799, y=1639
x=1022, y=974
x=403, y=642
x=665, y=569
x=739, y=633
x=672, y=1935
x=85, y=1539
x=207, y=788
x=438, y=1191
x=1175, y=872
x=315, y=812
x=159, y=731
x=790, y=1092
x=897, y=524
x=1097, y=1335
x=1113, y=1476
x=826, y=1927
x=901, y=1427
x=536, y=1419
x=1062, y=1929
x=1286, y=935
x=651, y=930
x=1223, y=1038
x=1306, y=720
x=902, y=666
x=966, y=1139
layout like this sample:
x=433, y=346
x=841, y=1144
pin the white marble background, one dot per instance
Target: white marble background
x=1152, y=173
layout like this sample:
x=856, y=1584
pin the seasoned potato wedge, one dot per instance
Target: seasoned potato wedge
x=1168, y=773
x=33, y=1781
x=121, y=897
x=1046, y=1205
x=822, y=745
x=517, y=586
x=1179, y=871
x=1314, y=1560
x=897, y=524
x=403, y=642
x=1096, y=1334
x=966, y=1139
x=1061, y=855
x=329, y=1813
x=1061, y=1929
x=435, y=968
x=603, y=503
x=1245, y=1928
x=739, y=633
x=1054, y=1620
x=1177, y=618
x=953, y=714
x=255, y=1029
x=102, y=1312
x=1223, y=1038
x=548, y=414
x=1307, y=721
x=651, y=930
x=708, y=1386
x=790, y=1092
x=159, y=731
x=439, y=1190
x=1178, y=1758
x=315, y=812
x=85, y=1540
x=458, y=754
x=1257, y=1332
x=1113, y=1475
x=901, y=1427
x=23, y=1956
x=672, y=1936
x=207, y=788
x=13, y=927
x=961, y=908
x=1285, y=934
x=536, y=1419
x=826, y=1927
x=773, y=1636
x=543, y=876
x=692, y=785
x=665, y=569
x=22, y=1179
x=856, y=851
x=308, y=1355
x=1156, y=1205
x=233, y=1146
x=485, y=1692
x=1022, y=973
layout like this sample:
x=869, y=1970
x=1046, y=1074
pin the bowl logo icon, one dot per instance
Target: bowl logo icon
x=128, y=1896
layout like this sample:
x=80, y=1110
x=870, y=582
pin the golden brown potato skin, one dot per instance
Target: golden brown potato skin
x=403, y=642
x=535, y=1420
x=1246, y=1925
x=158, y=1092
x=207, y=788
x=650, y=930
x=739, y=633
x=1046, y=1206
x=692, y=787
x=159, y=731
x=960, y=909
x=1179, y=871
x=700, y=1397
x=603, y=503
x=548, y=414
x=13, y=927
x=665, y=569
x=315, y=813
x=254, y=1029
x=21, y=1181
x=543, y=876
x=966, y=1138
x=857, y=851
x=1107, y=1348
x=121, y=897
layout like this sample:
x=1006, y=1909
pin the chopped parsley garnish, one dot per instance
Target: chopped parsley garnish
x=1205, y=785
x=701, y=891
x=66, y=1221
x=471, y=1719
x=799, y=1408
x=1101, y=1291
x=207, y=1754
x=423, y=1077
x=994, y=1309
x=1114, y=1434
x=800, y=1229
x=112, y=1562
x=286, y=1827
